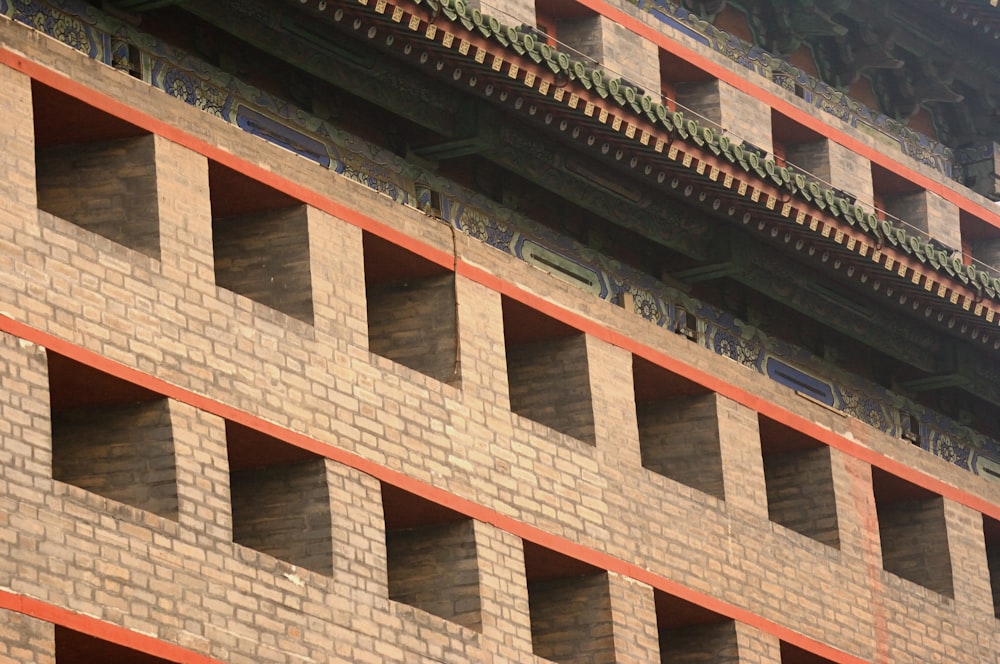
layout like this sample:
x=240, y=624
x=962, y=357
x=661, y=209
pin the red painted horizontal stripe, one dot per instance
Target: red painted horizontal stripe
x=430, y=492
x=739, y=395
x=474, y=510
x=744, y=84
x=100, y=629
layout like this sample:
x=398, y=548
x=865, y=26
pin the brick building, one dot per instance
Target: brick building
x=566, y=330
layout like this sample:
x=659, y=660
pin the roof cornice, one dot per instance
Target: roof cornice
x=636, y=133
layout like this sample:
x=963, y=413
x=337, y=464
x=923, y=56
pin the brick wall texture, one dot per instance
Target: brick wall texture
x=571, y=619
x=107, y=187
x=614, y=46
x=549, y=383
x=993, y=560
x=712, y=642
x=914, y=543
x=26, y=639
x=265, y=257
x=680, y=440
x=222, y=572
x=723, y=106
x=413, y=322
x=930, y=213
x=285, y=511
x=800, y=493
x=124, y=452
x=434, y=568
x=834, y=164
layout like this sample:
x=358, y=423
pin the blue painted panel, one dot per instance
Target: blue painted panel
x=801, y=382
x=664, y=16
x=260, y=125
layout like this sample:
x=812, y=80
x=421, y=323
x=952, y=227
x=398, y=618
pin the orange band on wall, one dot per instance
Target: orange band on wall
x=100, y=629
x=95, y=627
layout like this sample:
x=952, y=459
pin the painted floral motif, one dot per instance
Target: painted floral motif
x=869, y=410
x=949, y=449
x=735, y=347
x=726, y=344
x=649, y=307
x=63, y=27
x=482, y=226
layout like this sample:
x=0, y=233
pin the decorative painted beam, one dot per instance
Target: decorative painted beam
x=139, y=6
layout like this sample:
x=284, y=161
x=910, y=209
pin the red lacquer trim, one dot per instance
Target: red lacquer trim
x=427, y=491
x=474, y=510
x=143, y=120
x=739, y=395
x=100, y=629
x=794, y=112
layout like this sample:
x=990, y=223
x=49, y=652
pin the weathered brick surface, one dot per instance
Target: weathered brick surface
x=986, y=251
x=857, y=518
x=930, y=213
x=25, y=467
x=413, y=322
x=338, y=287
x=942, y=637
x=285, y=512
x=616, y=430
x=968, y=559
x=680, y=440
x=835, y=165
x=993, y=560
x=26, y=640
x=184, y=212
x=25, y=425
x=123, y=452
x=511, y=12
x=742, y=466
x=712, y=642
x=742, y=117
x=435, y=568
x=360, y=559
x=633, y=616
x=614, y=47
x=265, y=257
x=503, y=590
x=17, y=188
x=202, y=470
x=483, y=359
x=800, y=493
x=63, y=545
x=107, y=187
x=549, y=383
x=915, y=543
x=757, y=647
x=571, y=619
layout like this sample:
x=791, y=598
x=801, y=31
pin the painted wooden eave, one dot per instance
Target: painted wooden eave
x=636, y=134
